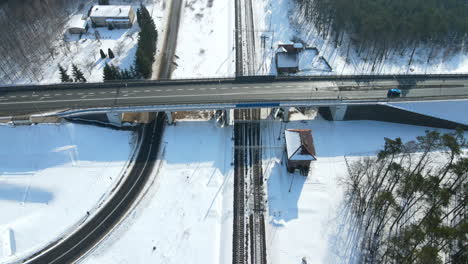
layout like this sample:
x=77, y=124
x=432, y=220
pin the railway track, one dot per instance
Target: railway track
x=249, y=236
x=245, y=38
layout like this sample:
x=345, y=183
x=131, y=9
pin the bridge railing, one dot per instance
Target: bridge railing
x=239, y=79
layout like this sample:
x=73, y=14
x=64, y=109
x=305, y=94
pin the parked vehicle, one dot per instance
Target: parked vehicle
x=394, y=93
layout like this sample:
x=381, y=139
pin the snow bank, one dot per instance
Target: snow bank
x=455, y=111
x=303, y=211
x=205, y=45
x=186, y=214
x=51, y=175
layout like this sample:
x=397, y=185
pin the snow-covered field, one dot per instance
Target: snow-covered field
x=50, y=177
x=303, y=211
x=205, y=44
x=185, y=215
x=276, y=20
x=84, y=52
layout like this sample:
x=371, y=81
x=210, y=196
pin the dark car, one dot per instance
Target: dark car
x=394, y=93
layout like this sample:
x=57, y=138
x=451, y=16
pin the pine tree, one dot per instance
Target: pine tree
x=64, y=77
x=103, y=2
x=111, y=54
x=78, y=74
x=103, y=55
x=146, y=43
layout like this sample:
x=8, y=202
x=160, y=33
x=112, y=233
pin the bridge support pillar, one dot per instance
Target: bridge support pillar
x=170, y=118
x=115, y=118
x=338, y=112
x=286, y=114
x=229, y=117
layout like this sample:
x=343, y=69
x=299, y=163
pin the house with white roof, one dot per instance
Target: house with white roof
x=116, y=16
x=300, y=149
x=77, y=25
x=287, y=57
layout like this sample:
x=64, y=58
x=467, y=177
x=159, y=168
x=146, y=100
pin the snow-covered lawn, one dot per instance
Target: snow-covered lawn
x=50, y=177
x=276, y=20
x=303, y=211
x=186, y=214
x=205, y=44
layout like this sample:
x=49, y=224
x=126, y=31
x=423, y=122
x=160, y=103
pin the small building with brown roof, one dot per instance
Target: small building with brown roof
x=300, y=149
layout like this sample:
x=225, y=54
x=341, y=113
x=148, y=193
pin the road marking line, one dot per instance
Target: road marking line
x=102, y=92
x=58, y=94
x=180, y=89
x=24, y=96
x=169, y=90
x=46, y=94
x=35, y=95
x=113, y=92
x=80, y=93
x=158, y=90
x=213, y=88
x=191, y=89
x=147, y=91
x=67, y=94
x=12, y=96
x=223, y=88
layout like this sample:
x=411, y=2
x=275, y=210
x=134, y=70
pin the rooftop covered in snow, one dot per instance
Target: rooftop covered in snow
x=115, y=11
x=300, y=144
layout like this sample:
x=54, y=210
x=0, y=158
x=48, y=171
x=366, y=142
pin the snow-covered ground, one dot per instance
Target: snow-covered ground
x=276, y=20
x=205, y=44
x=185, y=215
x=303, y=212
x=84, y=51
x=50, y=177
x=456, y=111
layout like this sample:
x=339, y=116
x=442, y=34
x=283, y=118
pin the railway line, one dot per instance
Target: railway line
x=249, y=231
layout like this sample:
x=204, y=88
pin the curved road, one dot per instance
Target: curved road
x=74, y=246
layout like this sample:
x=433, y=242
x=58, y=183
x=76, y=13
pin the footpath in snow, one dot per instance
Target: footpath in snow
x=185, y=215
x=50, y=177
x=303, y=211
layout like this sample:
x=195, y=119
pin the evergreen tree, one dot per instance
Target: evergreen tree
x=111, y=54
x=78, y=74
x=64, y=77
x=103, y=55
x=103, y=2
x=147, y=39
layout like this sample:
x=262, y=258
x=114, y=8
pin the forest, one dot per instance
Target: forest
x=385, y=25
x=408, y=204
x=28, y=28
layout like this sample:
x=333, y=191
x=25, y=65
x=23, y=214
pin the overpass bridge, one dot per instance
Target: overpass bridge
x=72, y=99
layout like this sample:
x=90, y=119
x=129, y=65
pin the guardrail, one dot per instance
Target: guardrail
x=238, y=79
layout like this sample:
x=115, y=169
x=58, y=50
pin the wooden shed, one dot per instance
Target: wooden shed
x=300, y=149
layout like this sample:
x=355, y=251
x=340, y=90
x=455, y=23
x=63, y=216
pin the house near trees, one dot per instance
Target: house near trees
x=77, y=25
x=300, y=150
x=287, y=57
x=116, y=16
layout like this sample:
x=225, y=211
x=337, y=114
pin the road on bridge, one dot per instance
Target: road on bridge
x=37, y=100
